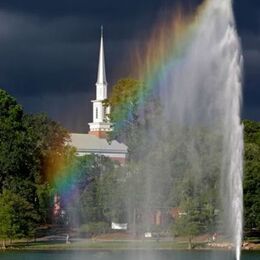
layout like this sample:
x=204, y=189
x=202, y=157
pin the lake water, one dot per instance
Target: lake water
x=126, y=255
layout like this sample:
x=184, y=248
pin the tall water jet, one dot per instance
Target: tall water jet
x=190, y=115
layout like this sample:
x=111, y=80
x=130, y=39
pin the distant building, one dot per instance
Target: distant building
x=95, y=141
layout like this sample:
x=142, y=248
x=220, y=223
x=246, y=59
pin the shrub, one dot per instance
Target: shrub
x=94, y=229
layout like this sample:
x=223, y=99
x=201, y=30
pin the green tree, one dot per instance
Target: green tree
x=111, y=191
x=18, y=219
x=17, y=162
x=124, y=115
x=94, y=184
x=32, y=148
x=45, y=195
x=49, y=144
x=252, y=174
x=188, y=224
x=124, y=101
x=14, y=159
x=50, y=153
x=131, y=104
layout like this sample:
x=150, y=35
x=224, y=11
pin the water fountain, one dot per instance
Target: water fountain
x=194, y=66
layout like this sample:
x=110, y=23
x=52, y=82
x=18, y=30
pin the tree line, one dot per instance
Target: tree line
x=34, y=147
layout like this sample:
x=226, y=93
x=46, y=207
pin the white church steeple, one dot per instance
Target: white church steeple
x=100, y=125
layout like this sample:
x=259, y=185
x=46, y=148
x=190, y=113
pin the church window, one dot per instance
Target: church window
x=96, y=113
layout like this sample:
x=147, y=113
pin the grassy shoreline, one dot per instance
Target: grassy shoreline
x=90, y=245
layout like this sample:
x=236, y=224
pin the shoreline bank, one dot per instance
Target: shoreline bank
x=120, y=245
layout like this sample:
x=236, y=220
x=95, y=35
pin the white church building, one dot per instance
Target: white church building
x=95, y=141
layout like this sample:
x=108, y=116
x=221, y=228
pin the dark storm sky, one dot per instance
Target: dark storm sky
x=49, y=50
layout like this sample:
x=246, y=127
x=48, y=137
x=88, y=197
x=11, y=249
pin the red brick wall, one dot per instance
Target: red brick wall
x=99, y=134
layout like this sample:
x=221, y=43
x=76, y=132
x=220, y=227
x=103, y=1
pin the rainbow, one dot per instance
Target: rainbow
x=164, y=50
x=65, y=181
x=62, y=173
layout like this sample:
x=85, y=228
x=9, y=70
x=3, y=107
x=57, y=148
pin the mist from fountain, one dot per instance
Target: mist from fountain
x=199, y=88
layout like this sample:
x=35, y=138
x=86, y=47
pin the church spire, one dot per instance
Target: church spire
x=101, y=78
x=100, y=124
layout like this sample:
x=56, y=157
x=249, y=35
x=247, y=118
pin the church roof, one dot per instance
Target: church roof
x=92, y=144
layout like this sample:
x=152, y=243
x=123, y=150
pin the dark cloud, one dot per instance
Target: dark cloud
x=103, y=8
x=249, y=29
x=49, y=50
x=247, y=14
